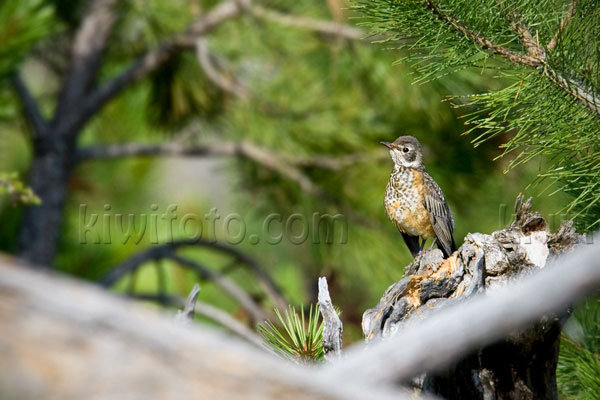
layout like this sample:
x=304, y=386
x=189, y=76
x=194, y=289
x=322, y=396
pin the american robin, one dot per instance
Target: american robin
x=414, y=202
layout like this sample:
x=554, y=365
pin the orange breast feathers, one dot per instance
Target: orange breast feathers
x=411, y=216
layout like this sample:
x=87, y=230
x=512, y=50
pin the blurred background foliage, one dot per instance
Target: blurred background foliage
x=307, y=96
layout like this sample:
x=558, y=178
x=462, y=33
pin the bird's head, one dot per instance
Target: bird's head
x=406, y=152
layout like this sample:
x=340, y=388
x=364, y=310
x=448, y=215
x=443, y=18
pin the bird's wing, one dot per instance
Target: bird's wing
x=439, y=214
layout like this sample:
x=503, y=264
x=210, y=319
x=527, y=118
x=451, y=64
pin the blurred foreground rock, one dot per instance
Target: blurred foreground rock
x=61, y=339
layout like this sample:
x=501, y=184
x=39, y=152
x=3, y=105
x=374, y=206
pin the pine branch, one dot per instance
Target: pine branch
x=552, y=44
x=583, y=94
x=536, y=57
x=532, y=46
x=482, y=42
x=31, y=109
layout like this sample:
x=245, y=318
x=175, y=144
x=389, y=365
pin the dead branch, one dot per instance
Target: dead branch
x=246, y=150
x=206, y=310
x=332, y=325
x=239, y=257
x=186, y=316
x=205, y=273
x=220, y=149
x=255, y=310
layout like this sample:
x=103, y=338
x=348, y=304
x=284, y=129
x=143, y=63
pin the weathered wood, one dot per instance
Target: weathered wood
x=332, y=325
x=61, y=339
x=186, y=316
x=67, y=340
x=522, y=363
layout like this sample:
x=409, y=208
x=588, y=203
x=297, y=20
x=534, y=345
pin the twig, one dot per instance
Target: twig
x=533, y=47
x=168, y=251
x=584, y=95
x=186, y=316
x=225, y=283
x=285, y=165
x=269, y=286
x=219, y=149
x=207, y=62
x=332, y=325
x=562, y=26
x=328, y=28
x=209, y=311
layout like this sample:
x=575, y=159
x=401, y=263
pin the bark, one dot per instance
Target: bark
x=332, y=325
x=520, y=366
x=48, y=178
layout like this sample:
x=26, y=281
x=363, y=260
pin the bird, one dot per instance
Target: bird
x=414, y=202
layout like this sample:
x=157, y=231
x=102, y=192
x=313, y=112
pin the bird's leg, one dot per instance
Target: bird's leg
x=422, y=243
x=433, y=244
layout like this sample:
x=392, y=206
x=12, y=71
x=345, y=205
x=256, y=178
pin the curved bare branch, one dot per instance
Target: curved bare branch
x=167, y=250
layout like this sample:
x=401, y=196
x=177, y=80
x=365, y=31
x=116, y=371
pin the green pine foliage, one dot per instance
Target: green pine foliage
x=297, y=336
x=18, y=192
x=22, y=24
x=542, y=105
x=578, y=368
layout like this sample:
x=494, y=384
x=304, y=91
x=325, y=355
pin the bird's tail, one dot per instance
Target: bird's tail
x=447, y=252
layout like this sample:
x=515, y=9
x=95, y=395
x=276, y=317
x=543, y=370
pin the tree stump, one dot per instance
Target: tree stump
x=523, y=365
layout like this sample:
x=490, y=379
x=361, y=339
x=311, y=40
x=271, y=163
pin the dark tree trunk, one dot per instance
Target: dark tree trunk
x=522, y=368
x=49, y=176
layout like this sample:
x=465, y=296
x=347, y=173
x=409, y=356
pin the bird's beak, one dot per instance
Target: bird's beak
x=387, y=144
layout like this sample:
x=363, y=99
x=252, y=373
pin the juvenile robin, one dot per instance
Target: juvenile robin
x=414, y=202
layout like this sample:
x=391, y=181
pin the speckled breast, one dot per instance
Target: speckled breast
x=404, y=202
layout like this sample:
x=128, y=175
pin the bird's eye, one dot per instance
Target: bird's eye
x=406, y=149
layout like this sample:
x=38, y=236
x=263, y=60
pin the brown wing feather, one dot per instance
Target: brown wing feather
x=440, y=215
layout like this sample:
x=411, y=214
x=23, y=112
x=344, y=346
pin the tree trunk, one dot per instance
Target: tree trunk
x=520, y=366
x=40, y=229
